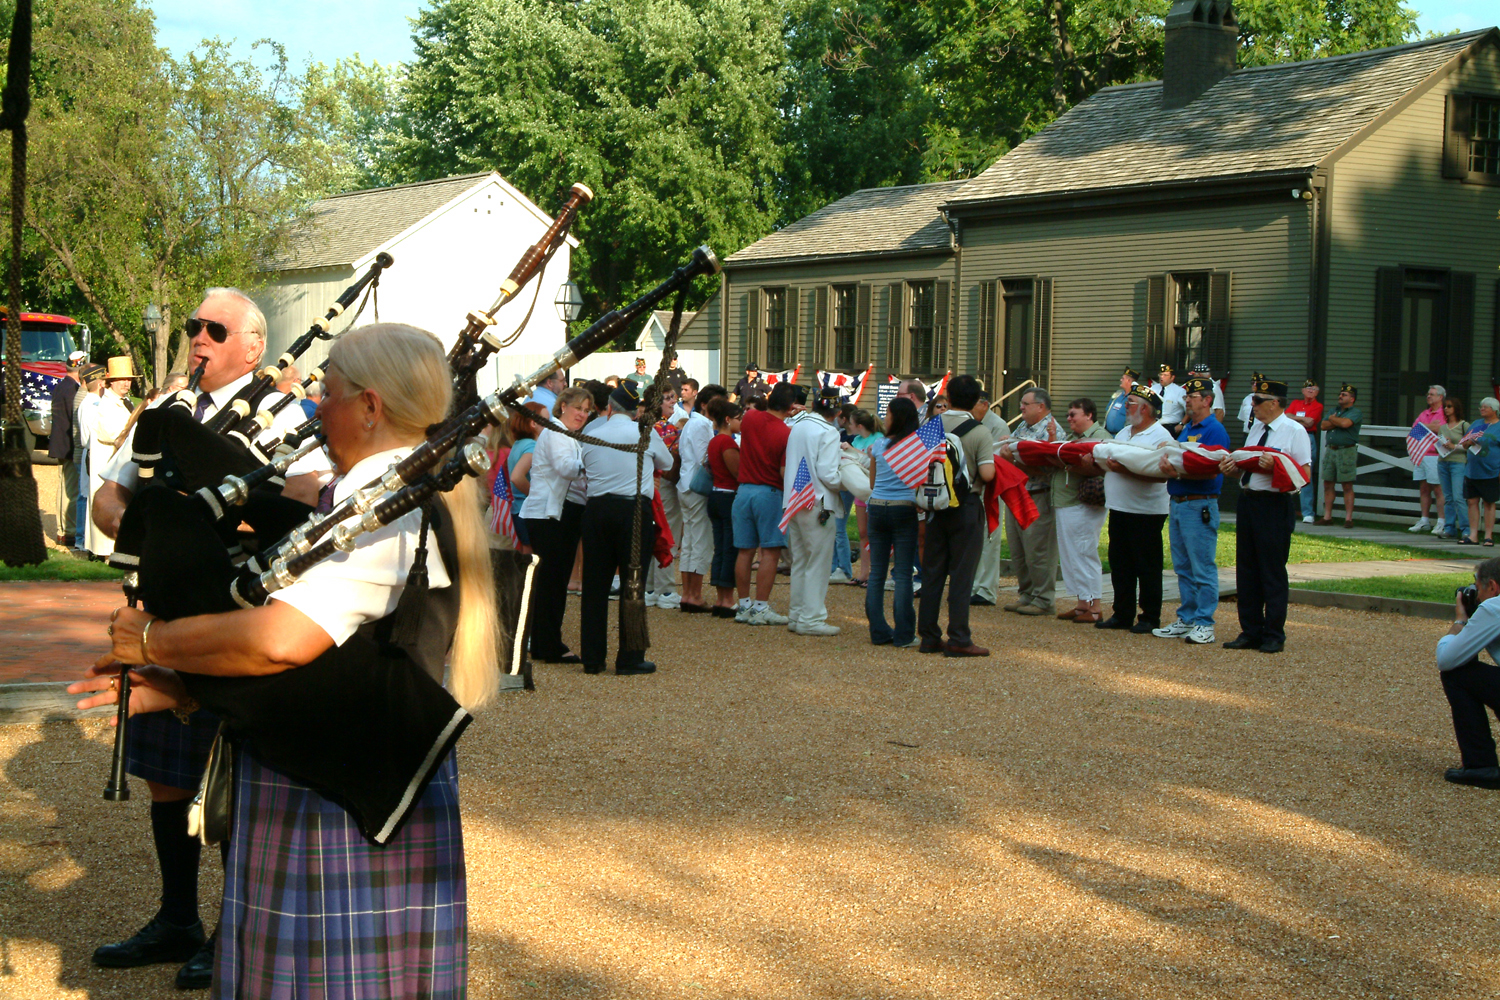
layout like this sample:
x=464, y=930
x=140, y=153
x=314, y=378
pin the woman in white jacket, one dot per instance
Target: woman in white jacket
x=102, y=426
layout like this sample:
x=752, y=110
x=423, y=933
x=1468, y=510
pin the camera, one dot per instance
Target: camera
x=1470, y=597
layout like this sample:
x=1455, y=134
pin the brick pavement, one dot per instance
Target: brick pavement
x=52, y=631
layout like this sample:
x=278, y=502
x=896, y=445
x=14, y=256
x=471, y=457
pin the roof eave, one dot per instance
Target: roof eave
x=836, y=258
x=1233, y=186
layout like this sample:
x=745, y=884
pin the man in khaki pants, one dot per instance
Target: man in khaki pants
x=1033, y=550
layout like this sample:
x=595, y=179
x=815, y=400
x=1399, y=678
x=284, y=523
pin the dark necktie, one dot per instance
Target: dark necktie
x=204, y=399
x=1245, y=479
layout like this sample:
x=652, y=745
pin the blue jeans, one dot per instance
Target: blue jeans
x=1194, y=544
x=1455, y=507
x=841, y=556
x=721, y=518
x=891, y=526
x=1310, y=491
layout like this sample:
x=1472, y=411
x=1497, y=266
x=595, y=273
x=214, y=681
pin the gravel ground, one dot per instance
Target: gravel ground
x=1081, y=815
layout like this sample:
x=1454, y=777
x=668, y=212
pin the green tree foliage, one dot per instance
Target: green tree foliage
x=1277, y=31
x=154, y=178
x=666, y=108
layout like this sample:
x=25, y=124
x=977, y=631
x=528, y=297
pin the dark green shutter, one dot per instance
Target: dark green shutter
x=1041, y=332
x=1457, y=127
x=822, y=336
x=989, y=335
x=1156, y=324
x=895, y=335
x=941, y=320
x=1461, y=378
x=1385, y=385
x=753, y=327
x=793, y=343
x=863, y=344
x=1216, y=326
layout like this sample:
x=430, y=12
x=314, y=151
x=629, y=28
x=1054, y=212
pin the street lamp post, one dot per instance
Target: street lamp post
x=151, y=324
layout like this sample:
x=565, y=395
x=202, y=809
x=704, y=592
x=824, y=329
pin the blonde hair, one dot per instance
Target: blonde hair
x=408, y=369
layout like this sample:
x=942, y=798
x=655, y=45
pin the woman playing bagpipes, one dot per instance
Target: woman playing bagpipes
x=314, y=905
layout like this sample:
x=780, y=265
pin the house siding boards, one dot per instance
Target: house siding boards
x=1100, y=265
x=1387, y=193
x=877, y=271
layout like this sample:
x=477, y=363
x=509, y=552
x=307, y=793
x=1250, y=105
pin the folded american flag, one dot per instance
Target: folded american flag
x=500, y=507
x=910, y=457
x=1420, y=443
x=803, y=495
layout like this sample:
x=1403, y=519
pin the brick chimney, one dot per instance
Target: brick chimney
x=1202, y=38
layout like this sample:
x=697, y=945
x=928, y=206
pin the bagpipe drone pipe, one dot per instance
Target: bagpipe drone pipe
x=362, y=724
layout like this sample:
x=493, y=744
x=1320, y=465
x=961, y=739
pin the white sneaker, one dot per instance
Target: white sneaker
x=838, y=576
x=1201, y=635
x=742, y=615
x=765, y=617
x=1421, y=525
x=1176, y=630
x=890, y=584
x=1438, y=529
x=671, y=601
x=916, y=588
x=818, y=628
x=1307, y=519
x=650, y=598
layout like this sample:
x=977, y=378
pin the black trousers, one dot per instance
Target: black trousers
x=555, y=543
x=606, y=551
x=1263, y=539
x=1135, y=564
x=950, y=552
x=1469, y=689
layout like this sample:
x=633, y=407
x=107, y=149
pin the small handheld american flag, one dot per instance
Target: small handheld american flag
x=500, y=507
x=803, y=496
x=1420, y=443
x=910, y=457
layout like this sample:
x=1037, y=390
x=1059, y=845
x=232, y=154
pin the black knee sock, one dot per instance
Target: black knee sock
x=177, y=854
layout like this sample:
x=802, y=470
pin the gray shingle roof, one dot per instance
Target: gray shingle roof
x=1259, y=120
x=346, y=227
x=868, y=221
x=664, y=317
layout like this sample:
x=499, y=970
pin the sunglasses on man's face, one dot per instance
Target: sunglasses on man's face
x=218, y=331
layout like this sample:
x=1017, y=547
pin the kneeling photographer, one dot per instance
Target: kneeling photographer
x=1470, y=683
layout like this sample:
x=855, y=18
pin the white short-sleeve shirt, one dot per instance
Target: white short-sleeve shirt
x=1286, y=436
x=348, y=589
x=1135, y=496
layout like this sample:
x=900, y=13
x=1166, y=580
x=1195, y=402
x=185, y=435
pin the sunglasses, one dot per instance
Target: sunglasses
x=217, y=331
x=1258, y=399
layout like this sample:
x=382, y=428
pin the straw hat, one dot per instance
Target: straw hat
x=120, y=367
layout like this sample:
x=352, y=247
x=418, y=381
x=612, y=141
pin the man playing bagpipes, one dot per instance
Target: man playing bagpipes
x=227, y=337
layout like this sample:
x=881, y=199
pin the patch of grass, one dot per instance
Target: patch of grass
x=1412, y=587
x=60, y=566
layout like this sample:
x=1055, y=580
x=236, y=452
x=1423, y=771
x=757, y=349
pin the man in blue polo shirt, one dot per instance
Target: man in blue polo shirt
x=1194, y=522
x=1114, y=414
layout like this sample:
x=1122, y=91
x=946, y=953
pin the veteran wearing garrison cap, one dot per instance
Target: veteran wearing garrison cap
x=1114, y=414
x=1247, y=408
x=1202, y=368
x=1173, y=399
x=1264, y=522
x=1308, y=412
x=1341, y=454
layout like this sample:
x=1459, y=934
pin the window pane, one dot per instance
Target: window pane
x=923, y=340
x=1192, y=314
x=843, y=326
x=776, y=346
x=1484, y=139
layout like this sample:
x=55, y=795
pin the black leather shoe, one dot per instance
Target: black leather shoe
x=644, y=667
x=978, y=602
x=593, y=668
x=198, y=973
x=155, y=943
x=572, y=659
x=1113, y=621
x=1272, y=646
x=1242, y=641
x=1480, y=777
x=930, y=647
x=1144, y=627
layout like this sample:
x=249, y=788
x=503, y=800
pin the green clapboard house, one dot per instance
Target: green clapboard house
x=1334, y=218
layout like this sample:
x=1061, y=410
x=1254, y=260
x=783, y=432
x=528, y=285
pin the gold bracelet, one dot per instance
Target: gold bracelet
x=185, y=710
x=145, y=632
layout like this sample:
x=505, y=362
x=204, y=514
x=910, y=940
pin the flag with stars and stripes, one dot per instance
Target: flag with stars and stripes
x=1421, y=442
x=500, y=507
x=910, y=457
x=803, y=496
x=38, y=379
x=850, y=387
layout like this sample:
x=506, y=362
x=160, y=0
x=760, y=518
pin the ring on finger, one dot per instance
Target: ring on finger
x=110, y=630
x=114, y=683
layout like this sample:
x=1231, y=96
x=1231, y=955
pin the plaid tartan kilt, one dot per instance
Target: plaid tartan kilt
x=311, y=909
x=160, y=748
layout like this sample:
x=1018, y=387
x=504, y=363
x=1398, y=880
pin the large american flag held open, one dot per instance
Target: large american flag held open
x=803, y=495
x=910, y=457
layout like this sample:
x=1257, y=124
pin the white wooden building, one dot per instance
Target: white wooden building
x=454, y=241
